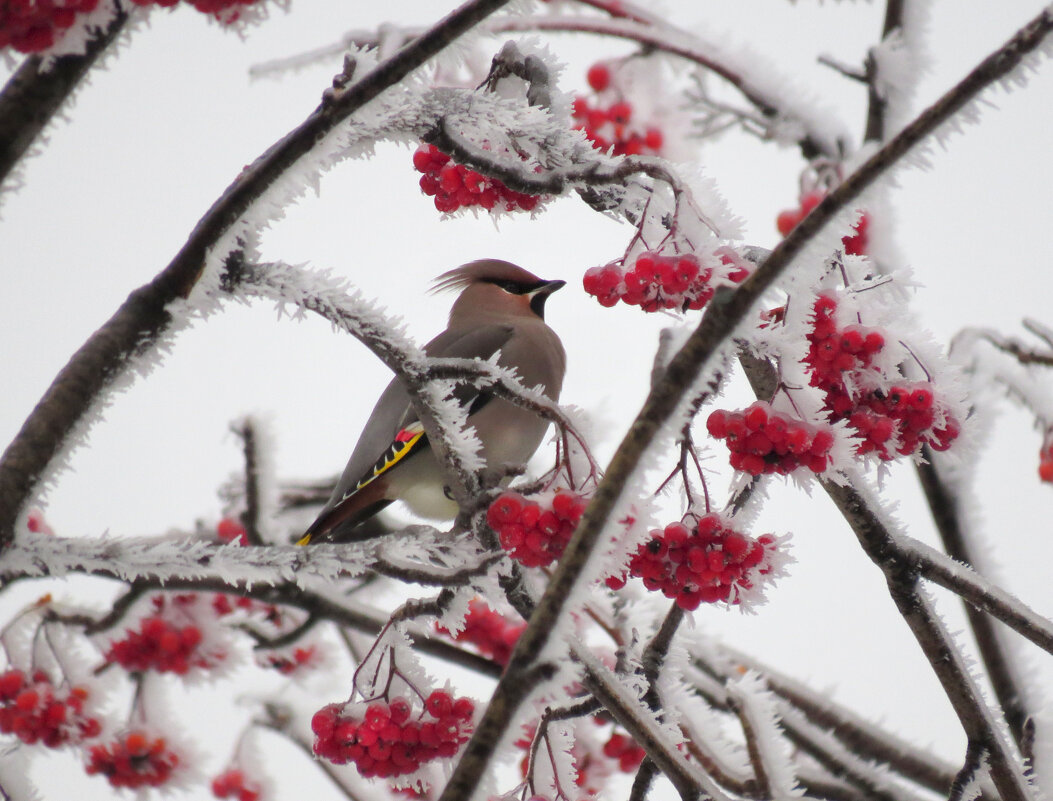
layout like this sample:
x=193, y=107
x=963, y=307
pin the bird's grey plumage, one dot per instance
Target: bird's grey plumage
x=499, y=309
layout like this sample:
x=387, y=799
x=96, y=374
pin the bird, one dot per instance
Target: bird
x=500, y=310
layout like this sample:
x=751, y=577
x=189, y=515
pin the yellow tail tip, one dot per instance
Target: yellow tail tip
x=304, y=540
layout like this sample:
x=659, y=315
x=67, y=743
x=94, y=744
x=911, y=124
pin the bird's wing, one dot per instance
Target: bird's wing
x=393, y=432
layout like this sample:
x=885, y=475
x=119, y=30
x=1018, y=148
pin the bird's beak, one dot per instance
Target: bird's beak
x=540, y=295
x=548, y=288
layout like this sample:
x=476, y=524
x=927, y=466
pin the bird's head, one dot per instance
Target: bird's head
x=495, y=287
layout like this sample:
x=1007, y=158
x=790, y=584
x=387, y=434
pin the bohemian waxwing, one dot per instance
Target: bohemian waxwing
x=501, y=308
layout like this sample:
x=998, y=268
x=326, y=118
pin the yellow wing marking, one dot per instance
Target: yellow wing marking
x=403, y=445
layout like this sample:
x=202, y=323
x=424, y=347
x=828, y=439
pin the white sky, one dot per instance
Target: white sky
x=157, y=136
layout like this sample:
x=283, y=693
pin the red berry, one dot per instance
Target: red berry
x=599, y=77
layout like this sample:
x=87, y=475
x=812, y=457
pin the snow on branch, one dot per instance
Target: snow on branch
x=960, y=579
x=878, y=535
x=159, y=560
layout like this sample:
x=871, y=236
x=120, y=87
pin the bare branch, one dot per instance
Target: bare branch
x=39, y=88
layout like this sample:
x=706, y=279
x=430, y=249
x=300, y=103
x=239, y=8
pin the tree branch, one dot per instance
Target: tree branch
x=37, y=90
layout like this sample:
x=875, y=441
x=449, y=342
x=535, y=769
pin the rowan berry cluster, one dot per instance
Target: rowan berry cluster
x=490, y=632
x=169, y=641
x=234, y=784
x=380, y=738
x=890, y=421
x=287, y=664
x=625, y=750
x=655, y=281
x=231, y=530
x=534, y=534
x=855, y=245
x=1045, y=458
x=35, y=711
x=453, y=186
x=31, y=26
x=608, y=120
x=706, y=563
x=762, y=440
x=133, y=760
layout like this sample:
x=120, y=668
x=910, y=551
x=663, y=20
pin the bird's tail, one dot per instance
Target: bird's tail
x=338, y=523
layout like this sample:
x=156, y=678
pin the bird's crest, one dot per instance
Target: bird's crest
x=491, y=270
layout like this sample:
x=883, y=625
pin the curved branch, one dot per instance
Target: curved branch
x=38, y=89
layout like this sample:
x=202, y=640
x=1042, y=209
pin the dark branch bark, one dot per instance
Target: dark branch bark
x=35, y=93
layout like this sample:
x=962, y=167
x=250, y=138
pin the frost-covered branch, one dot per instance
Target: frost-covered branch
x=37, y=90
x=849, y=747
x=762, y=90
x=145, y=317
x=883, y=546
x=944, y=505
x=250, y=518
x=159, y=560
x=961, y=580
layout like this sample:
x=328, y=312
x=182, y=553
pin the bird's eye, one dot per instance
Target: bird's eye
x=511, y=287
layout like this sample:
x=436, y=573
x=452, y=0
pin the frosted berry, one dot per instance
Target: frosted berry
x=762, y=440
x=624, y=749
x=32, y=26
x=388, y=739
x=453, y=186
x=35, y=711
x=535, y=535
x=233, y=784
x=855, y=244
x=890, y=417
x=1045, y=458
x=704, y=563
x=171, y=640
x=135, y=759
x=599, y=77
x=231, y=530
x=493, y=634
x=655, y=280
x=609, y=124
x=291, y=662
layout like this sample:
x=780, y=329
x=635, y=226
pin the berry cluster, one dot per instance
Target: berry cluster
x=655, y=281
x=234, y=784
x=133, y=760
x=535, y=535
x=381, y=740
x=492, y=633
x=287, y=664
x=709, y=563
x=31, y=26
x=34, y=711
x=224, y=604
x=855, y=245
x=230, y=529
x=762, y=440
x=454, y=186
x=625, y=750
x=609, y=125
x=1045, y=458
x=889, y=421
x=169, y=641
